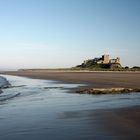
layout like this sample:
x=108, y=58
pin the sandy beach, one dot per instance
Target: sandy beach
x=92, y=79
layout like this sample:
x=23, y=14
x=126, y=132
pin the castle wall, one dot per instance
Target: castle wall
x=115, y=61
x=105, y=59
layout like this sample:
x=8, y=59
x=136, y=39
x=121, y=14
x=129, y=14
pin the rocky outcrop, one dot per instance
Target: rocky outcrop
x=103, y=62
x=98, y=91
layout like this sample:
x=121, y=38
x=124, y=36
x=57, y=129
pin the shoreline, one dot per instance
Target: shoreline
x=90, y=79
x=95, y=83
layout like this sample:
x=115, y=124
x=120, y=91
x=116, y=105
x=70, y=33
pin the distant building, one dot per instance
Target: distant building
x=115, y=61
x=103, y=60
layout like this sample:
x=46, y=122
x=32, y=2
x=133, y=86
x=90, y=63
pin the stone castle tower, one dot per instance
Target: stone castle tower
x=105, y=59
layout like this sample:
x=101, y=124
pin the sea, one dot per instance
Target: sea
x=34, y=109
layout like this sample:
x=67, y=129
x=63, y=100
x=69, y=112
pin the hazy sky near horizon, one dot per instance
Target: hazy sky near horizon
x=62, y=33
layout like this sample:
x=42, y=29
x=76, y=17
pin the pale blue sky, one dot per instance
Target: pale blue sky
x=62, y=33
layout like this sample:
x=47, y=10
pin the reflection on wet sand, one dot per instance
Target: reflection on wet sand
x=38, y=113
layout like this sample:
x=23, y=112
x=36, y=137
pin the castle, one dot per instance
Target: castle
x=103, y=60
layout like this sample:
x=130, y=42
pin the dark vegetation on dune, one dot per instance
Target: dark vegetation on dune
x=105, y=67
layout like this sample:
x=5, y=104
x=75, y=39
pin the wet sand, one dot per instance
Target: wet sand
x=121, y=123
x=117, y=124
x=92, y=79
